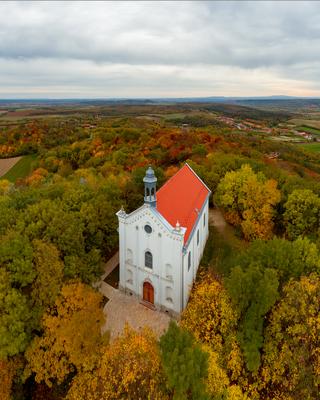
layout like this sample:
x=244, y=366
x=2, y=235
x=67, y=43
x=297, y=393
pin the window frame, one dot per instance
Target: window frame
x=146, y=226
x=148, y=259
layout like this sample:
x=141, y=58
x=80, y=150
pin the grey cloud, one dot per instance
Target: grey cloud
x=225, y=33
x=173, y=47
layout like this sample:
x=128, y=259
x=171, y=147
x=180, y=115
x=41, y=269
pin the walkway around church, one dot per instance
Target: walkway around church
x=110, y=265
x=122, y=309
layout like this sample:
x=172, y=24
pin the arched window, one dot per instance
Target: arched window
x=148, y=259
x=129, y=259
x=152, y=191
x=147, y=192
x=204, y=219
x=189, y=260
x=129, y=277
x=198, y=237
x=168, y=271
x=169, y=294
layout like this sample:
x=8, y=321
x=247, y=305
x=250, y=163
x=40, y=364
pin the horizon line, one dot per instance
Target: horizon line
x=278, y=97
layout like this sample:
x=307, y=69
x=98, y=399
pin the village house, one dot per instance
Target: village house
x=162, y=242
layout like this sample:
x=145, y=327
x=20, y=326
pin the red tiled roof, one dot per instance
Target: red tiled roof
x=180, y=198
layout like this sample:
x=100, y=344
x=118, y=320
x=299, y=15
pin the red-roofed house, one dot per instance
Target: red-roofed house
x=161, y=243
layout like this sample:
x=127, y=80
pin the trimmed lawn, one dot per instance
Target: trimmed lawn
x=310, y=130
x=21, y=169
x=168, y=117
x=220, y=252
x=314, y=147
x=311, y=123
x=223, y=245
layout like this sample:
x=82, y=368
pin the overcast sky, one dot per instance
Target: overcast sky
x=159, y=49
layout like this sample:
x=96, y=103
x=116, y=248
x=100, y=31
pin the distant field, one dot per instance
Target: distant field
x=174, y=116
x=312, y=123
x=9, y=118
x=314, y=147
x=284, y=138
x=21, y=169
x=7, y=163
x=310, y=130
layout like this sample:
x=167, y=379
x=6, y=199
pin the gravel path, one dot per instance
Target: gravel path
x=226, y=230
x=122, y=309
x=217, y=219
x=7, y=163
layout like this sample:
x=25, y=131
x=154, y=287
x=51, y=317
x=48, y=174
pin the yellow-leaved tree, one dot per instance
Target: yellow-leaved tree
x=5, y=186
x=212, y=320
x=7, y=371
x=71, y=338
x=49, y=270
x=248, y=200
x=291, y=358
x=129, y=368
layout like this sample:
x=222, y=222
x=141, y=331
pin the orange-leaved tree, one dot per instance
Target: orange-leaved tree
x=8, y=369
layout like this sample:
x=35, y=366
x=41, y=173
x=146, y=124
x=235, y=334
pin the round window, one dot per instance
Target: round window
x=148, y=228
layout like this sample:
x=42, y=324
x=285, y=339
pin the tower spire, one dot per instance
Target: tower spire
x=150, y=184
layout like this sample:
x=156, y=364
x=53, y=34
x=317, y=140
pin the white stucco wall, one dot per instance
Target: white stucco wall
x=196, y=250
x=170, y=276
x=165, y=245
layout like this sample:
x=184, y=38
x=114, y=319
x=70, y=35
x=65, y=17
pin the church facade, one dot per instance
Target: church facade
x=161, y=243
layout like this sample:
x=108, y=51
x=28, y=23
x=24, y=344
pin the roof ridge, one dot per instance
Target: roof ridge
x=193, y=208
x=197, y=176
x=182, y=198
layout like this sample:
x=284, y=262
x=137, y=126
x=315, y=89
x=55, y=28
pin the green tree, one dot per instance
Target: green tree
x=8, y=214
x=290, y=259
x=254, y=291
x=302, y=213
x=48, y=221
x=16, y=256
x=15, y=318
x=100, y=224
x=185, y=364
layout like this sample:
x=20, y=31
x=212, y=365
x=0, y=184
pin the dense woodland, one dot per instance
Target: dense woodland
x=251, y=329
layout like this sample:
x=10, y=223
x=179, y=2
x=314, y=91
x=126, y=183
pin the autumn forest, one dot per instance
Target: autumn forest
x=251, y=330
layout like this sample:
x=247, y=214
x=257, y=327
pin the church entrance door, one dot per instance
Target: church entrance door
x=148, y=292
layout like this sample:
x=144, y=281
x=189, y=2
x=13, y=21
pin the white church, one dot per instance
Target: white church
x=161, y=243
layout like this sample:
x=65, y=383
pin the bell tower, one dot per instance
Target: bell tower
x=150, y=183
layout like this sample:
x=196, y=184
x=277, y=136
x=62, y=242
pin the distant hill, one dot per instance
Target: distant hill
x=162, y=100
x=273, y=108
